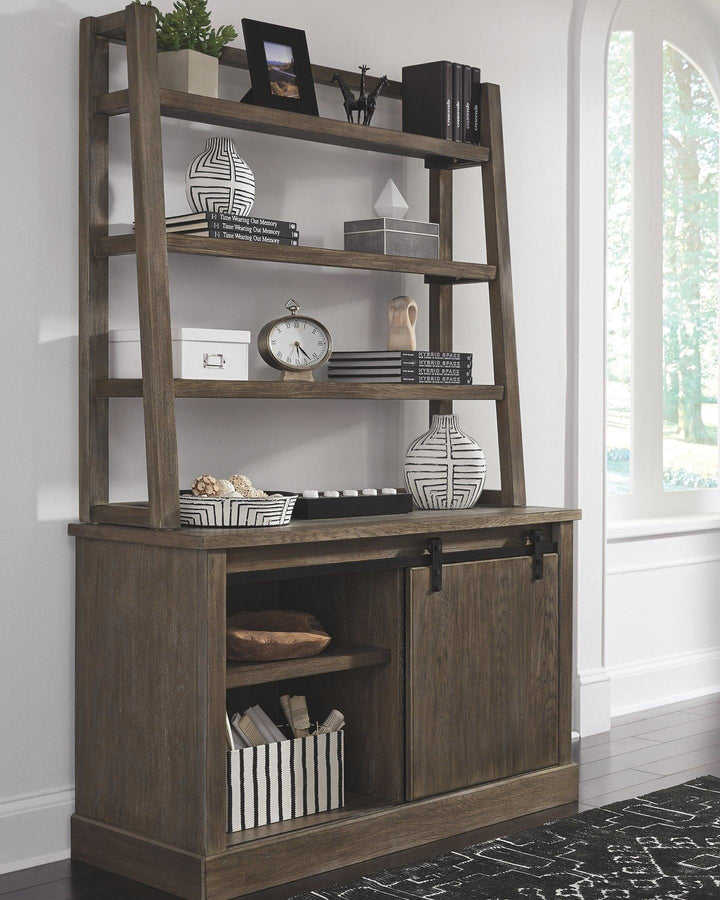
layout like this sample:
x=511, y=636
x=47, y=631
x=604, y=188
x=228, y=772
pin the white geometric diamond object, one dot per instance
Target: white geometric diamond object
x=391, y=203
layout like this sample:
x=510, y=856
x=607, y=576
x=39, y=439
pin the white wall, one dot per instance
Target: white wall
x=521, y=44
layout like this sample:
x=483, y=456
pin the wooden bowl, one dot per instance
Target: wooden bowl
x=274, y=634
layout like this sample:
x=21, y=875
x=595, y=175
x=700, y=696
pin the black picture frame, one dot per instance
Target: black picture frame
x=289, y=83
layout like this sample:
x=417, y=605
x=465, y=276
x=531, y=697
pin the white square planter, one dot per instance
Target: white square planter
x=189, y=71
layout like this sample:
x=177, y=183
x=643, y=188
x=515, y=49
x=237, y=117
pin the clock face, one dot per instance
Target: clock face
x=298, y=343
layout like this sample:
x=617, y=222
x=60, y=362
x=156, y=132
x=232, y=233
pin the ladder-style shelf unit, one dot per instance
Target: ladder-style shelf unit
x=145, y=104
x=450, y=610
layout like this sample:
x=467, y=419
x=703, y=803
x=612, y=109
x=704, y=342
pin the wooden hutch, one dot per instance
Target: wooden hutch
x=452, y=631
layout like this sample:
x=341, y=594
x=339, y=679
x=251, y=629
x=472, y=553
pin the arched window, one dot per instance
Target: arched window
x=663, y=160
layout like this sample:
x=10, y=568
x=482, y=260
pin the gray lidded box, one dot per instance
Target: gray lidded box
x=393, y=237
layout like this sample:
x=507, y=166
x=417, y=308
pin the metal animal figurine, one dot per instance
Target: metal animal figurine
x=364, y=104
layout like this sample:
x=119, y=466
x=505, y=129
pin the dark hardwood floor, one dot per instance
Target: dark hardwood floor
x=643, y=752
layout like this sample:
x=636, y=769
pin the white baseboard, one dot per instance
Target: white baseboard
x=662, y=681
x=35, y=829
x=592, y=702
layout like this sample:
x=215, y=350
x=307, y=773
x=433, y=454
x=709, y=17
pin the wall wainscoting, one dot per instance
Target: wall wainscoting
x=592, y=702
x=37, y=824
x=645, y=685
x=661, y=616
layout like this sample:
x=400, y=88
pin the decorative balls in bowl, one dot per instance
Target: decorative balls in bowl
x=233, y=503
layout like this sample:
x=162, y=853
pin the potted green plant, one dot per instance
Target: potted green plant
x=189, y=47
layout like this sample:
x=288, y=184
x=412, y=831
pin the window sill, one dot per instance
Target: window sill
x=629, y=529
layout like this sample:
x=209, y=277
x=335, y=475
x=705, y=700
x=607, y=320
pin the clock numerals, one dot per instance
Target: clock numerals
x=289, y=345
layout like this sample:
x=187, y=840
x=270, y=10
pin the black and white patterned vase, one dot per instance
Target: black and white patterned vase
x=219, y=180
x=445, y=468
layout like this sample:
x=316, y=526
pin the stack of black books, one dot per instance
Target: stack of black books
x=442, y=99
x=240, y=228
x=401, y=366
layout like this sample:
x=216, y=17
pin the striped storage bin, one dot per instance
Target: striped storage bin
x=284, y=780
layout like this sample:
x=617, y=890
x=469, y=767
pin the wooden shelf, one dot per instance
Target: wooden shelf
x=436, y=271
x=313, y=531
x=305, y=390
x=337, y=658
x=355, y=805
x=437, y=153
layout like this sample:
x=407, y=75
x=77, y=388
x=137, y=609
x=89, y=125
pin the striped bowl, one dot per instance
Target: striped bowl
x=235, y=512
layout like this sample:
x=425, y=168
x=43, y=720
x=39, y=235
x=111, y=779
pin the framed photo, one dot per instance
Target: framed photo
x=279, y=66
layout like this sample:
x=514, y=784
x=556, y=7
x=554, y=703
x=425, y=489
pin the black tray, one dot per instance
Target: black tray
x=342, y=507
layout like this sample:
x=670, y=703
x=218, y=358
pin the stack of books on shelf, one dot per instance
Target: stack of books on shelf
x=401, y=366
x=239, y=228
x=254, y=727
x=442, y=99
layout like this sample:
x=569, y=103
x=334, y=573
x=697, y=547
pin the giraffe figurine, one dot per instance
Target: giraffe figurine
x=364, y=104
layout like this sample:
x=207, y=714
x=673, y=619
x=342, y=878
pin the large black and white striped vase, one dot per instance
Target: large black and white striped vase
x=445, y=468
x=219, y=180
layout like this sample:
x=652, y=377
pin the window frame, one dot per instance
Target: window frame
x=651, y=30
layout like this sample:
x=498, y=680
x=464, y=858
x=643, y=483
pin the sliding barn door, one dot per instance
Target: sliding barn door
x=482, y=686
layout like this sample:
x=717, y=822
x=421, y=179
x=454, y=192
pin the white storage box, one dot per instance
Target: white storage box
x=284, y=780
x=206, y=353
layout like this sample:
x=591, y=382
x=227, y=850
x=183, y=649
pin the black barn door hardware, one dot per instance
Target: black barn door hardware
x=434, y=557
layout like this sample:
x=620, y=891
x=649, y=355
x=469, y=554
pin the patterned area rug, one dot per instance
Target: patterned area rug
x=664, y=846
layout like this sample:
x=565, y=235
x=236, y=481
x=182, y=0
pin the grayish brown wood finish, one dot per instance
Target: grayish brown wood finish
x=150, y=625
x=482, y=680
x=366, y=607
x=299, y=390
x=237, y=57
x=562, y=534
x=92, y=271
x=152, y=268
x=112, y=25
x=156, y=864
x=455, y=272
x=232, y=114
x=211, y=596
x=664, y=762
x=323, y=554
x=136, y=514
x=309, y=532
x=355, y=805
x=152, y=682
x=253, y=866
x=337, y=658
x=440, y=326
x=497, y=239
x=143, y=645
